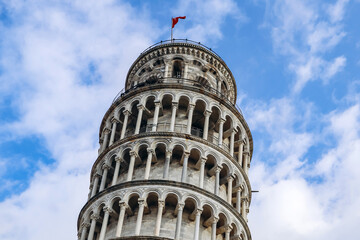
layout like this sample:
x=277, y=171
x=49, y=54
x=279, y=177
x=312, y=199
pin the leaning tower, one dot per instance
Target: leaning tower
x=174, y=152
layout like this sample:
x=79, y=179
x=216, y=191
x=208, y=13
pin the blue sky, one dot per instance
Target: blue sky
x=296, y=64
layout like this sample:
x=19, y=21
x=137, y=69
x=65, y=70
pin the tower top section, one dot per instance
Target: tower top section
x=186, y=62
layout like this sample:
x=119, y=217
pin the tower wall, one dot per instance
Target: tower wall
x=174, y=153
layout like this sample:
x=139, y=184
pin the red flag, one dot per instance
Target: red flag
x=175, y=20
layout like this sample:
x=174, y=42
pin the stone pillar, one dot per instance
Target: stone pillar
x=179, y=219
x=202, y=172
x=173, y=116
x=221, y=130
x=124, y=126
x=217, y=180
x=139, y=216
x=232, y=140
x=167, y=164
x=94, y=218
x=118, y=161
x=104, y=176
x=240, y=153
x=213, y=228
x=148, y=163
x=227, y=232
x=156, y=116
x=161, y=205
x=243, y=207
x=131, y=165
x=238, y=200
x=95, y=185
x=107, y=211
x=229, y=193
x=197, y=224
x=246, y=163
x=186, y=70
x=121, y=219
x=113, y=130
x=106, y=136
x=190, y=116
x=139, y=118
x=84, y=228
x=185, y=164
x=206, y=124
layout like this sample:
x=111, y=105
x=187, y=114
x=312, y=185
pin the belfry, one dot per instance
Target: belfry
x=174, y=152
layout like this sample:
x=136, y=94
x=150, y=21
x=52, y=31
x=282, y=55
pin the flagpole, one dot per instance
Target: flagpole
x=171, y=30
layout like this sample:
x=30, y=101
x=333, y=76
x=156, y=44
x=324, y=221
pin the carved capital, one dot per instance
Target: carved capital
x=85, y=225
x=133, y=153
x=161, y=203
x=140, y=107
x=118, y=159
x=207, y=113
x=95, y=217
x=106, y=131
x=106, y=166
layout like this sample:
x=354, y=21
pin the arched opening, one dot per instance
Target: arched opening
x=198, y=119
x=119, y=125
x=209, y=179
x=206, y=221
x=165, y=113
x=177, y=68
x=194, y=163
x=140, y=163
x=234, y=232
x=221, y=226
x=148, y=115
x=227, y=129
x=131, y=216
x=158, y=162
x=238, y=148
x=168, y=221
x=182, y=114
x=188, y=218
x=214, y=123
x=124, y=167
x=175, y=166
x=224, y=174
x=130, y=129
x=110, y=174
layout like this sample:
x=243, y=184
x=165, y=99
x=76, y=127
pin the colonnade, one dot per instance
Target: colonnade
x=236, y=194
x=201, y=216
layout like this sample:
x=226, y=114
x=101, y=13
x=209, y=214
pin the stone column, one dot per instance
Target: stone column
x=84, y=229
x=106, y=136
x=118, y=161
x=139, y=118
x=104, y=176
x=221, y=130
x=229, y=193
x=217, y=180
x=206, y=124
x=139, y=216
x=94, y=219
x=227, y=232
x=161, y=205
x=148, y=163
x=232, y=139
x=190, y=116
x=113, y=130
x=131, y=165
x=179, y=219
x=185, y=164
x=202, y=172
x=243, y=207
x=238, y=200
x=167, y=164
x=240, y=153
x=121, y=219
x=246, y=163
x=95, y=185
x=173, y=116
x=197, y=224
x=213, y=228
x=156, y=116
x=124, y=126
x=107, y=211
x=186, y=70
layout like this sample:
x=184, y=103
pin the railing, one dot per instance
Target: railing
x=179, y=41
x=180, y=81
x=178, y=128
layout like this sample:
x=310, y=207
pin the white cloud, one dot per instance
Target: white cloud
x=300, y=198
x=301, y=33
x=51, y=52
